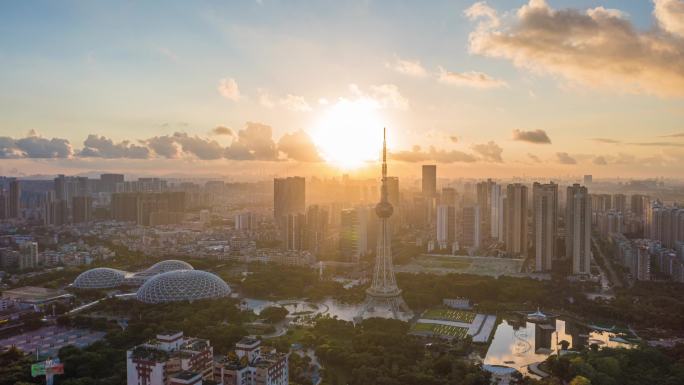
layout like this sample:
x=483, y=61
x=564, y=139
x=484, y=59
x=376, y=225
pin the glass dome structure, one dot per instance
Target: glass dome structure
x=100, y=278
x=169, y=265
x=182, y=285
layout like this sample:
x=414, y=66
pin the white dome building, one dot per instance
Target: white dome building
x=182, y=285
x=100, y=278
x=169, y=265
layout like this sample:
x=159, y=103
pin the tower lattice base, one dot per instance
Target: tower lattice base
x=385, y=306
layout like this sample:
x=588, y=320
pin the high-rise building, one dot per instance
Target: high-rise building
x=354, y=234
x=14, y=199
x=470, y=227
x=289, y=196
x=515, y=219
x=393, y=190
x=149, y=209
x=484, y=200
x=545, y=224
x=429, y=180
x=28, y=256
x=108, y=182
x=316, y=229
x=588, y=179
x=497, y=213
x=245, y=221
x=292, y=230
x=449, y=197
x=665, y=224
x=578, y=228
x=620, y=203
x=56, y=212
x=446, y=226
x=82, y=207
x=4, y=205
x=639, y=205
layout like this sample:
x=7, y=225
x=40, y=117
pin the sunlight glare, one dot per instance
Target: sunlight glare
x=349, y=133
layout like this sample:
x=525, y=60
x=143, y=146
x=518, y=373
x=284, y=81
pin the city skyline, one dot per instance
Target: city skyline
x=116, y=95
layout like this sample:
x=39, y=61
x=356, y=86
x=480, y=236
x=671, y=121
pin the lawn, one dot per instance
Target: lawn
x=450, y=315
x=441, y=330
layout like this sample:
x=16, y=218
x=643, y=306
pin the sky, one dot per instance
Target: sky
x=251, y=89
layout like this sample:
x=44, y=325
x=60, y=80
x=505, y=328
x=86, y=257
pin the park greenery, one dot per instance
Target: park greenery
x=378, y=351
x=617, y=366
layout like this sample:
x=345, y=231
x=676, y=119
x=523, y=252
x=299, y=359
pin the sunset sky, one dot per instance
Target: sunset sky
x=255, y=88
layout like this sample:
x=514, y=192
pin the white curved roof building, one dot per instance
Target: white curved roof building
x=169, y=265
x=100, y=278
x=105, y=278
x=182, y=285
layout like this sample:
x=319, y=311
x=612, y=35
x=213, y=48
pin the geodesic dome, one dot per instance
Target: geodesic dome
x=182, y=285
x=169, y=265
x=99, y=278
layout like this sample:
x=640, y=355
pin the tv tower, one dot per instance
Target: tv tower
x=383, y=298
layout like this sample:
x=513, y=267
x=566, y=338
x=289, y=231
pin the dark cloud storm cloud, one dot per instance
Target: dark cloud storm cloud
x=535, y=136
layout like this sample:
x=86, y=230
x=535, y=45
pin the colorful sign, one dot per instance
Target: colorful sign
x=48, y=367
x=38, y=369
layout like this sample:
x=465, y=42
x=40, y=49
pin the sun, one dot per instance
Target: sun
x=349, y=133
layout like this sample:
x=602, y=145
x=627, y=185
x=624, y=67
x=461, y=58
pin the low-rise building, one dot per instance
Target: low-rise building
x=252, y=364
x=162, y=361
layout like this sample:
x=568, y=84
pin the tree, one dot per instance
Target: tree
x=274, y=314
x=564, y=344
x=579, y=380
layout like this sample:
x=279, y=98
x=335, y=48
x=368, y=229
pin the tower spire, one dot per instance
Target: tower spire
x=383, y=191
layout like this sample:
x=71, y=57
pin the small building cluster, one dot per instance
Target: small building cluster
x=172, y=359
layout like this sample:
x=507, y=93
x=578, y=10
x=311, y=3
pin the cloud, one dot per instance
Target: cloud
x=228, y=88
x=34, y=146
x=597, y=48
x=677, y=135
x=481, y=10
x=534, y=158
x=386, y=96
x=600, y=160
x=657, y=144
x=606, y=140
x=535, y=136
x=565, y=158
x=265, y=98
x=298, y=146
x=407, y=67
x=295, y=103
x=454, y=139
x=416, y=154
x=102, y=147
x=222, y=130
x=670, y=15
x=204, y=149
x=472, y=79
x=254, y=142
x=489, y=151
x=165, y=146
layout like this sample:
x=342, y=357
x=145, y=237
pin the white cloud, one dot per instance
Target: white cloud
x=472, y=79
x=670, y=15
x=598, y=48
x=295, y=103
x=407, y=67
x=229, y=89
x=265, y=98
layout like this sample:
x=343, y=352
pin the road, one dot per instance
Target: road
x=613, y=276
